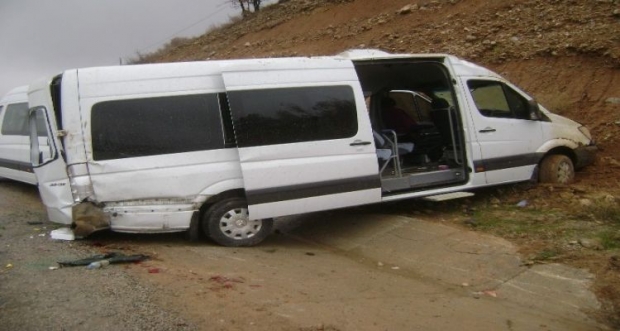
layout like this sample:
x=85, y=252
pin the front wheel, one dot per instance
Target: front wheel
x=557, y=169
x=227, y=223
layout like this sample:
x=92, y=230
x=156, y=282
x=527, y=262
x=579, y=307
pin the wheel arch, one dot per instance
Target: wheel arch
x=560, y=150
x=232, y=193
x=214, y=194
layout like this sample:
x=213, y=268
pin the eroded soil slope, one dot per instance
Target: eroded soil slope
x=565, y=53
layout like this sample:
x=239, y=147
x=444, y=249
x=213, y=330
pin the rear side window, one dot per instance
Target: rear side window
x=153, y=126
x=16, y=120
x=292, y=115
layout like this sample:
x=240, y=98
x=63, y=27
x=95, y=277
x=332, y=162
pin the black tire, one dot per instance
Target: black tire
x=227, y=224
x=557, y=169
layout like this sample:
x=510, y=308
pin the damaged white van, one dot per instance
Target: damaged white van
x=14, y=142
x=223, y=147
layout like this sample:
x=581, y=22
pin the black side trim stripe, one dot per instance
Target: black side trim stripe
x=508, y=162
x=16, y=165
x=312, y=189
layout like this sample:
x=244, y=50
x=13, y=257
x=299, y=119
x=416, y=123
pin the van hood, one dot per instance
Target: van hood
x=565, y=128
x=561, y=120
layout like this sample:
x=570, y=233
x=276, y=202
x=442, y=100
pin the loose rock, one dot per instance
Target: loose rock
x=591, y=244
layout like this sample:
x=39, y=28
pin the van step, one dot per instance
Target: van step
x=448, y=196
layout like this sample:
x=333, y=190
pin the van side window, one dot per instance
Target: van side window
x=292, y=115
x=16, y=120
x=494, y=99
x=153, y=126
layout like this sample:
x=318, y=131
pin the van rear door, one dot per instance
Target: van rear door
x=303, y=135
x=47, y=160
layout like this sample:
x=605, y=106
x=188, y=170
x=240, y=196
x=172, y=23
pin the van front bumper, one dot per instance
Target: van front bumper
x=585, y=155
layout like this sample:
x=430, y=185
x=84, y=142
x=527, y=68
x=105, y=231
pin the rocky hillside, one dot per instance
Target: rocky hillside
x=564, y=52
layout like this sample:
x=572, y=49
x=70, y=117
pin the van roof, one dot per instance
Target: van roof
x=18, y=94
x=460, y=66
x=120, y=74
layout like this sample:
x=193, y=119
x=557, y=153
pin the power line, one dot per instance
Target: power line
x=185, y=28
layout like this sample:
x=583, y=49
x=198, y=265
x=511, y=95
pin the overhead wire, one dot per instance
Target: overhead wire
x=161, y=41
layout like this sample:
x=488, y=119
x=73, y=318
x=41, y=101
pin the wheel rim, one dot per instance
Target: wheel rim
x=564, y=172
x=236, y=224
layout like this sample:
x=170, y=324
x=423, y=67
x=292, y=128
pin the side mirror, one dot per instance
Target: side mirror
x=534, y=110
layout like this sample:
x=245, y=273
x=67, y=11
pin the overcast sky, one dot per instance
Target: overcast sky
x=44, y=37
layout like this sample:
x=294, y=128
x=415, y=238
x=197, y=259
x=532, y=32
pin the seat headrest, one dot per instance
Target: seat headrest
x=440, y=103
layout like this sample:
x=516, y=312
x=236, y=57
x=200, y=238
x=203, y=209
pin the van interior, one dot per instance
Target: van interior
x=416, y=123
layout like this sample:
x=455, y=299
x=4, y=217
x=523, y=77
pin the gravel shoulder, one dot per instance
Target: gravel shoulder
x=33, y=297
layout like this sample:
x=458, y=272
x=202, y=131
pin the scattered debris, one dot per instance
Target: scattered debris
x=395, y=268
x=113, y=258
x=407, y=9
x=225, y=282
x=53, y=268
x=613, y=101
x=310, y=254
x=522, y=204
x=9, y=266
x=490, y=293
x=222, y=280
x=154, y=270
x=62, y=234
x=380, y=264
x=98, y=264
x=34, y=222
x=465, y=284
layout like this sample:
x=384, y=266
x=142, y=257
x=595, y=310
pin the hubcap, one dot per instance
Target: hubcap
x=237, y=225
x=564, y=172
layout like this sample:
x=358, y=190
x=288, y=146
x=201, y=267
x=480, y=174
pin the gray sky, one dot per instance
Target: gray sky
x=43, y=37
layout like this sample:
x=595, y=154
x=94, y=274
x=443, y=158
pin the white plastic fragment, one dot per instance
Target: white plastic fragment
x=62, y=234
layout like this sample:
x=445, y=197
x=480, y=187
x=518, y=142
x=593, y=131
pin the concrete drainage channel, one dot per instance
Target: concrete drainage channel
x=472, y=264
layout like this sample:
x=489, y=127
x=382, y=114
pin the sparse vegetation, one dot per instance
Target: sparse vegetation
x=605, y=210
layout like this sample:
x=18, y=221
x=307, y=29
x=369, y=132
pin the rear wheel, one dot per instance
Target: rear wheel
x=557, y=169
x=228, y=224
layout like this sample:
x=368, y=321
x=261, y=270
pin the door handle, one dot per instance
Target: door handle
x=487, y=130
x=359, y=143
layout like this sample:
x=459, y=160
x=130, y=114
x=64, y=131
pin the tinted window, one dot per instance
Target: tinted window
x=518, y=104
x=291, y=115
x=141, y=127
x=494, y=99
x=16, y=120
